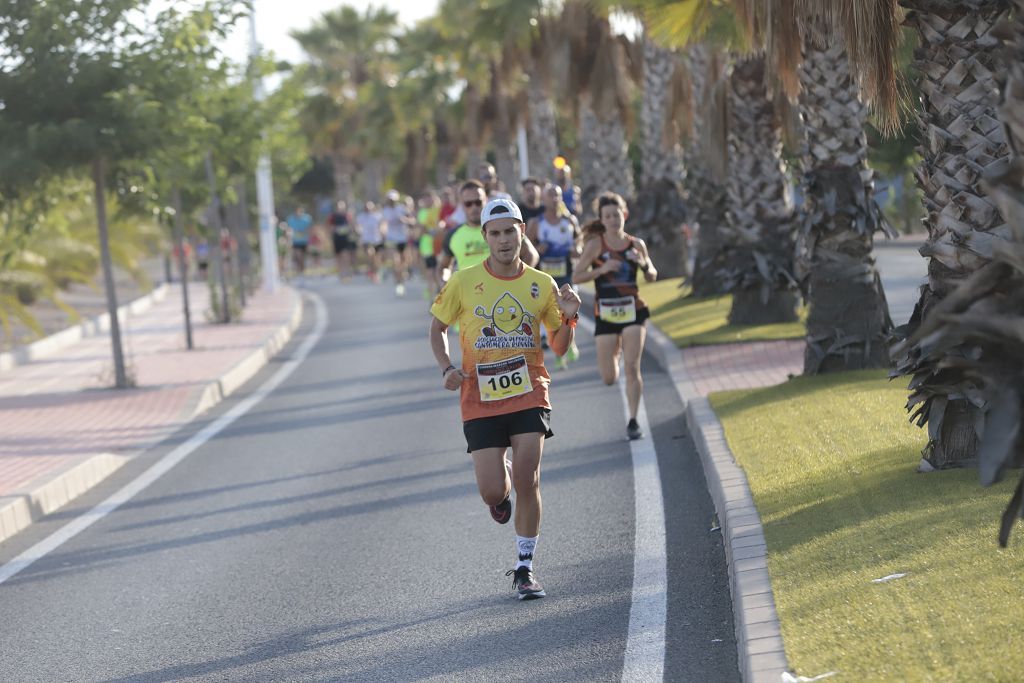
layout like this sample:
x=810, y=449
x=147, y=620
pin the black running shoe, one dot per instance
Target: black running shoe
x=502, y=512
x=633, y=430
x=525, y=584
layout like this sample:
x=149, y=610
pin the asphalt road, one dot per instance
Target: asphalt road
x=903, y=271
x=334, y=532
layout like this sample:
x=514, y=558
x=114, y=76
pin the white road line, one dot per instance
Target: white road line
x=645, y=642
x=159, y=468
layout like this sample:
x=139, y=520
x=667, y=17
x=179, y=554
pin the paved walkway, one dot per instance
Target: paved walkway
x=749, y=365
x=59, y=410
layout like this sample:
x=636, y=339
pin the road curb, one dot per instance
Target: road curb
x=71, y=335
x=762, y=655
x=43, y=496
x=759, y=645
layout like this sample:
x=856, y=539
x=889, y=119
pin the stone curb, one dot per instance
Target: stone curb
x=88, y=328
x=759, y=646
x=52, y=491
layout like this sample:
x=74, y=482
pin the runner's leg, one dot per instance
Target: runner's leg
x=527, y=450
x=608, y=347
x=633, y=338
x=491, y=475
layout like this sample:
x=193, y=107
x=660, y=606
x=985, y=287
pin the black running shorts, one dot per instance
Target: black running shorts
x=497, y=431
x=605, y=327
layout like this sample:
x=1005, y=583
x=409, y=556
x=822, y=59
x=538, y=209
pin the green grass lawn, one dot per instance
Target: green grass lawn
x=698, y=322
x=831, y=465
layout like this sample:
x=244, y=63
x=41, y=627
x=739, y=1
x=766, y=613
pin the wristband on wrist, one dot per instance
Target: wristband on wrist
x=444, y=372
x=571, y=322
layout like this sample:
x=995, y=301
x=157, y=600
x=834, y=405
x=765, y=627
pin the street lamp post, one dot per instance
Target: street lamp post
x=264, y=184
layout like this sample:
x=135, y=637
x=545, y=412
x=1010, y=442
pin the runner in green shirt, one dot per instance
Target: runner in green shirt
x=465, y=244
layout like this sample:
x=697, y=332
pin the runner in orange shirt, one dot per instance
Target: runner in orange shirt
x=499, y=306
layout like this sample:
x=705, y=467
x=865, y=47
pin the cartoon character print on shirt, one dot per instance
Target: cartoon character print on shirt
x=511, y=326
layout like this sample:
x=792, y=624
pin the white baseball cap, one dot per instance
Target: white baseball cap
x=393, y=195
x=500, y=207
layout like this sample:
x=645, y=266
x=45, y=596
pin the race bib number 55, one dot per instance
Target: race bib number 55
x=503, y=379
x=621, y=311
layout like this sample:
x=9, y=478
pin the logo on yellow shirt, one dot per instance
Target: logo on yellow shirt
x=510, y=325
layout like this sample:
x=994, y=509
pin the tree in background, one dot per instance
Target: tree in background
x=76, y=97
x=348, y=78
x=598, y=74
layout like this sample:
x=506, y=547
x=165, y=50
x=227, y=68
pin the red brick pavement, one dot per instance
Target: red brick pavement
x=743, y=366
x=58, y=410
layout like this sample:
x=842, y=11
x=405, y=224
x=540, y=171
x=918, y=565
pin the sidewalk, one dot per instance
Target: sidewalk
x=62, y=429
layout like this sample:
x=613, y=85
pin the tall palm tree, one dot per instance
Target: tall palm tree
x=848, y=323
x=760, y=227
x=598, y=74
x=347, y=52
x=548, y=70
x=423, y=106
x=957, y=62
x=704, y=180
x=665, y=116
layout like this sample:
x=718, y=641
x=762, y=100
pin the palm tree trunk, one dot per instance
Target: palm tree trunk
x=706, y=192
x=604, y=156
x=120, y=372
x=543, y=134
x=661, y=159
x=760, y=226
x=505, y=158
x=658, y=210
x=957, y=60
x=848, y=323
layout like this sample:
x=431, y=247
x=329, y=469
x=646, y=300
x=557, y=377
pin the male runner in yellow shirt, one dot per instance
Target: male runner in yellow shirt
x=500, y=305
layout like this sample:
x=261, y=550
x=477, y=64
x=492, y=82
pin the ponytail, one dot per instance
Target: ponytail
x=594, y=228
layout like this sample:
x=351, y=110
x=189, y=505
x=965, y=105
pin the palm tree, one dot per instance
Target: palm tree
x=598, y=75
x=704, y=179
x=848, y=323
x=665, y=116
x=760, y=227
x=957, y=61
x=347, y=52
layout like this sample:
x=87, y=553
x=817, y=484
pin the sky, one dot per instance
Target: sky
x=276, y=18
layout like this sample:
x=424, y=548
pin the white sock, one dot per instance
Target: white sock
x=525, y=547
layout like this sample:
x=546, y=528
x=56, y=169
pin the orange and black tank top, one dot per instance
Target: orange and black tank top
x=621, y=283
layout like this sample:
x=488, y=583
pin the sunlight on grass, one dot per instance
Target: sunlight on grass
x=831, y=465
x=698, y=322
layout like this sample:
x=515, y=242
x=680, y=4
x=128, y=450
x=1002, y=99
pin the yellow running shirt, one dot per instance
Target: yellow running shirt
x=499, y=331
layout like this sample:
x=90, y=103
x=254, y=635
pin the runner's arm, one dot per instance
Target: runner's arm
x=528, y=252
x=444, y=259
x=569, y=303
x=452, y=375
x=577, y=236
x=532, y=230
x=649, y=271
x=585, y=272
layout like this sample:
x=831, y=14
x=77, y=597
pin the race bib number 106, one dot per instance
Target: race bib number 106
x=503, y=379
